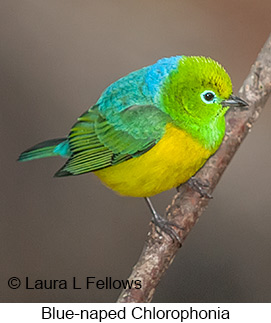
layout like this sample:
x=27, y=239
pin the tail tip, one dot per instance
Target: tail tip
x=23, y=157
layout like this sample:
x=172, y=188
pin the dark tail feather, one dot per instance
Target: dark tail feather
x=41, y=150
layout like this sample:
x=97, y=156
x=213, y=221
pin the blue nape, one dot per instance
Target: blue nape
x=159, y=71
x=141, y=87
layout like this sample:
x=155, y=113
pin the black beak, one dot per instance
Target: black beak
x=234, y=101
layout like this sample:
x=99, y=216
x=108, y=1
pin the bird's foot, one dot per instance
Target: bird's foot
x=200, y=187
x=163, y=225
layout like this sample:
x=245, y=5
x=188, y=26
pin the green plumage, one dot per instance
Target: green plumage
x=95, y=143
x=41, y=150
x=131, y=115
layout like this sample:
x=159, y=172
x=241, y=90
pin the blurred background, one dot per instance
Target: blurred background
x=56, y=58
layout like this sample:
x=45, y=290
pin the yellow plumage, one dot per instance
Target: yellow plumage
x=172, y=161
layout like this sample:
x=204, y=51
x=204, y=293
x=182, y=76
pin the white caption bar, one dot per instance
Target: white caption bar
x=154, y=312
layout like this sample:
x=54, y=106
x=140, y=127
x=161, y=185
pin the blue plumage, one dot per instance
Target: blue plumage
x=158, y=72
x=63, y=149
x=140, y=87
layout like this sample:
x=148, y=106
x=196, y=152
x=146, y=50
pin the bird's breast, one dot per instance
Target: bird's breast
x=171, y=162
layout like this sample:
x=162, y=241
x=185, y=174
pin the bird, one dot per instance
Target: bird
x=150, y=130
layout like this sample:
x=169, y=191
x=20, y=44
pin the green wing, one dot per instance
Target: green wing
x=95, y=143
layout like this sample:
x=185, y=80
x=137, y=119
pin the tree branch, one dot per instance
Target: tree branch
x=187, y=205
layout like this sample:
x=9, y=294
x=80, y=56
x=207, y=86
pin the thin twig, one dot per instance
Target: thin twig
x=188, y=205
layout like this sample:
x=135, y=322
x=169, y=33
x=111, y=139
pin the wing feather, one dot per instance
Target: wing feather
x=96, y=143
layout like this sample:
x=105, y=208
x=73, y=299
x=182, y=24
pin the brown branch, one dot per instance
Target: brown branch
x=187, y=206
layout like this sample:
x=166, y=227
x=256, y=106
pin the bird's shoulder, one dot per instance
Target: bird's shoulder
x=141, y=87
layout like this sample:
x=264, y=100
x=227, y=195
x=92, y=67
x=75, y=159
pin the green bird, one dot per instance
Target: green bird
x=149, y=131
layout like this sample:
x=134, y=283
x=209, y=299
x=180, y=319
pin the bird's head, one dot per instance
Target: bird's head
x=199, y=91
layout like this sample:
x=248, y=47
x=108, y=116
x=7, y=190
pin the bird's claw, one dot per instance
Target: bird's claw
x=200, y=187
x=162, y=225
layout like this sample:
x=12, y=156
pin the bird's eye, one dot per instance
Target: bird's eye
x=208, y=97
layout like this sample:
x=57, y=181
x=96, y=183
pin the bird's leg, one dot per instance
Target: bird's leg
x=162, y=223
x=199, y=186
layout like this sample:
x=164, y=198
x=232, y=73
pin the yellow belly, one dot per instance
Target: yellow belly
x=171, y=162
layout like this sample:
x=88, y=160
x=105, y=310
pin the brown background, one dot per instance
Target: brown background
x=56, y=57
